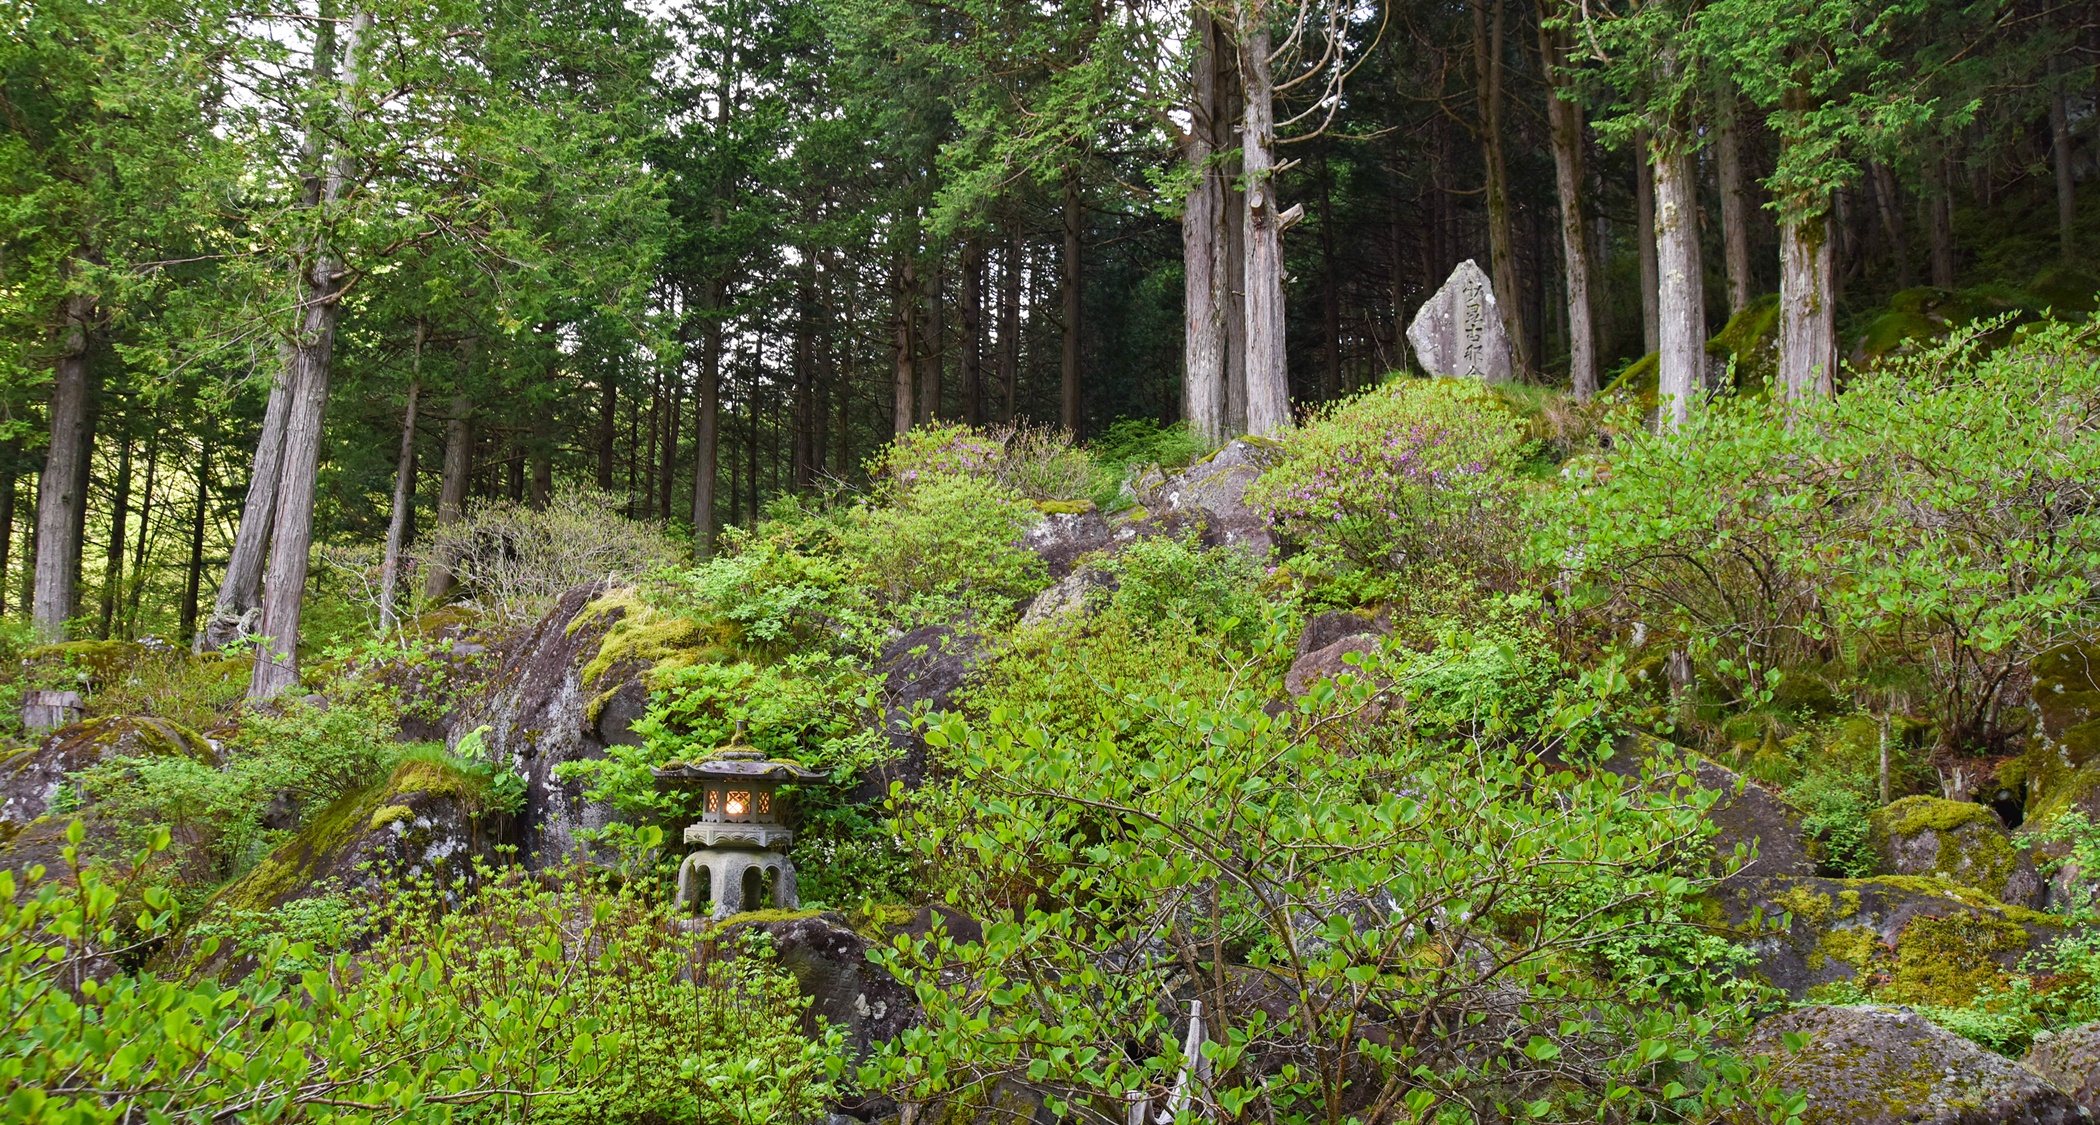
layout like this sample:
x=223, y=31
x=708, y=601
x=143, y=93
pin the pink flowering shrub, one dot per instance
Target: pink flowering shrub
x=1411, y=474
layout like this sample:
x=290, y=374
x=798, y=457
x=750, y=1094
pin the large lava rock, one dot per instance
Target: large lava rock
x=426, y=819
x=1889, y=1066
x=1214, y=491
x=1328, y=663
x=1075, y=595
x=2070, y=1059
x=1925, y=940
x=1955, y=840
x=922, y=671
x=32, y=779
x=565, y=691
x=1748, y=815
x=1063, y=539
x=830, y=964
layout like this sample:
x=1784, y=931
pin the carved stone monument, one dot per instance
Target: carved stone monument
x=1459, y=332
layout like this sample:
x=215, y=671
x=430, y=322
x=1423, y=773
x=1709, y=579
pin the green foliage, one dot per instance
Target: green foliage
x=1176, y=584
x=792, y=585
x=582, y=1002
x=947, y=547
x=1307, y=875
x=1038, y=464
x=316, y=754
x=1408, y=477
x=1928, y=526
x=512, y=560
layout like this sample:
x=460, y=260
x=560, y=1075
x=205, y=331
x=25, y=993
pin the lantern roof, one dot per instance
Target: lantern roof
x=737, y=765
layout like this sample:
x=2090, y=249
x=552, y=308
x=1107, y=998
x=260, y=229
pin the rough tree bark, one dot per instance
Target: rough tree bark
x=2060, y=156
x=404, y=493
x=1887, y=202
x=973, y=330
x=907, y=293
x=61, y=497
x=1680, y=304
x=1807, y=316
x=1330, y=290
x=1940, y=206
x=113, y=555
x=1068, y=284
x=10, y=482
x=1644, y=217
x=1564, y=117
x=452, y=484
x=1205, y=267
x=1502, y=241
x=234, y=613
x=1735, y=216
x=192, y=587
x=1009, y=330
x=932, y=339
x=1268, y=386
x=707, y=423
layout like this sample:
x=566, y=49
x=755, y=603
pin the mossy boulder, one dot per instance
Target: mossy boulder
x=424, y=820
x=829, y=962
x=1912, y=939
x=34, y=780
x=2064, y=687
x=89, y=664
x=1753, y=822
x=1214, y=491
x=1889, y=1066
x=1959, y=841
x=566, y=689
x=2070, y=1060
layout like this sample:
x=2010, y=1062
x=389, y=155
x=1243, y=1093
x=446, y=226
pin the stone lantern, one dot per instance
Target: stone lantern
x=740, y=833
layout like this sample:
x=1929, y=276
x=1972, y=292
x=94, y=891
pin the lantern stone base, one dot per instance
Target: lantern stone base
x=721, y=876
x=715, y=835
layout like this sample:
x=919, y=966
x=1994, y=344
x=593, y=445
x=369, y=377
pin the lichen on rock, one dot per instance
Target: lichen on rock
x=1888, y=1066
x=1955, y=840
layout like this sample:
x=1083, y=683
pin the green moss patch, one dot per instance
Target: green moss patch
x=1949, y=961
x=639, y=636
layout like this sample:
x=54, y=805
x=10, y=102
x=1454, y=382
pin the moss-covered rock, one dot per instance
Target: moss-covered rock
x=2070, y=1059
x=1754, y=824
x=89, y=663
x=423, y=820
x=1913, y=939
x=564, y=691
x=33, y=782
x=1889, y=1066
x=1956, y=840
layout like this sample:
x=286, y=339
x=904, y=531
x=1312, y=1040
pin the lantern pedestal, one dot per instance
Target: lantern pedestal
x=729, y=872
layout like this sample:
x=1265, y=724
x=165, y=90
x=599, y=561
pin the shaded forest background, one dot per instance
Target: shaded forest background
x=705, y=256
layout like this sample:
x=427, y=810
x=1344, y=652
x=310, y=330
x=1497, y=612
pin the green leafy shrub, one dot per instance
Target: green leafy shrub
x=512, y=560
x=947, y=547
x=1410, y=476
x=1037, y=463
x=1175, y=583
x=1934, y=525
x=580, y=1002
x=1307, y=876
x=792, y=585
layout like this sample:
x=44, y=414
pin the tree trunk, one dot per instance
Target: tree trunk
x=1681, y=308
x=1205, y=269
x=2066, y=191
x=404, y=494
x=1009, y=328
x=802, y=474
x=62, y=498
x=1268, y=377
x=113, y=556
x=973, y=330
x=541, y=490
x=706, y=426
x=1889, y=203
x=644, y=464
x=136, y=587
x=907, y=293
x=1330, y=290
x=452, y=486
x=1807, y=315
x=1941, y=207
x=932, y=345
x=1735, y=203
x=1644, y=217
x=1564, y=117
x=608, y=428
x=240, y=588
x=1068, y=278
x=10, y=482
x=758, y=359
x=193, y=584
x=1502, y=239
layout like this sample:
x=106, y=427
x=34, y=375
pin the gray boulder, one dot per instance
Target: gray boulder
x=2070, y=1060
x=1075, y=595
x=1749, y=816
x=1890, y=1066
x=1327, y=663
x=922, y=668
x=829, y=962
x=1323, y=629
x=1957, y=840
x=1062, y=539
x=1922, y=940
x=1215, y=489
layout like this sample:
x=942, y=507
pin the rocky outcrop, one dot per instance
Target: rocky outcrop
x=564, y=691
x=1328, y=663
x=1917, y=940
x=830, y=964
x=1213, y=491
x=2070, y=1060
x=1955, y=840
x=922, y=669
x=426, y=819
x=1063, y=539
x=32, y=780
x=1075, y=595
x=1323, y=629
x=1752, y=821
x=1889, y=1066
